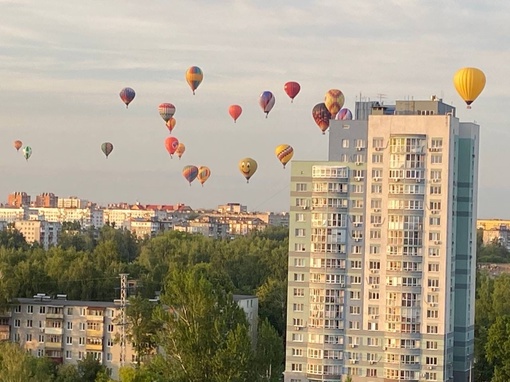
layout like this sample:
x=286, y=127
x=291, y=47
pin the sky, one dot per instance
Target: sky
x=63, y=64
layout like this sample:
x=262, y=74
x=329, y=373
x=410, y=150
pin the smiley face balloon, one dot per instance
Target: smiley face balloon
x=247, y=166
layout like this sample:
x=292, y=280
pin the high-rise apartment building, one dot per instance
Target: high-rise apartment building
x=46, y=199
x=18, y=199
x=382, y=250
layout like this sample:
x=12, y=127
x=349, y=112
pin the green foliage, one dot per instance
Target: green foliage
x=67, y=373
x=269, y=354
x=498, y=349
x=89, y=369
x=12, y=238
x=16, y=365
x=273, y=302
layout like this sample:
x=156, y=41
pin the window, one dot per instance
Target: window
x=432, y=345
x=30, y=309
x=297, y=337
x=435, y=221
x=376, y=188
x=296, y=367
x=355, y=310
x=378, y=143
x=360, y=144
x=432, y=329
x=436, y=143
x=299, y=262
x=297, y=322
x=373, y=295
x=436, y=159
x=433, y=283
x=377, y=158
x=69, y=340
x=17, y=309
x=375, y=234
x=69, y=325
x=69, y=354
x=110, y=328
x=80, y=355
x=432, y=313
x=69, y=311
x=299, y=247
x=345, y=143
x=41, y=338
x=81, y=341
x=433, y=267
x=299, y=232
x=299, y=292
x=42, y=310
x=29, y=323
x=109, y=342
x=29, y=337
x=82, y=326
x=358, y=189
x=435, y=175
x=300, y=202
x=356, y=264
x=434, y=252
x=299, y=277
x=435, y=190
x=355, y=325
x=301, y=187
x=17, y=323
x=377, y=174
x=298, y=307
x=109, y=356
x=355, y=295
x=300, y=217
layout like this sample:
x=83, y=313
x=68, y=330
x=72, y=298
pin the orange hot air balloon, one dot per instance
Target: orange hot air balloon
x=334, y=100
x=235, y=112
x=18, y=144
x=180, y=150
x=203, y=174
x=171, y=144
x=170, y=124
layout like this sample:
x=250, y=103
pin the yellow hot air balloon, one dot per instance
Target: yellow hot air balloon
x=203, y=174
x=247, y=166
x=194, y=77
x=334, y=100
x=284, y=153
x=469, y=83
x=180, y=149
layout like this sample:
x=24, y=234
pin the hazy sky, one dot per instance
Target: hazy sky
x=63, y=63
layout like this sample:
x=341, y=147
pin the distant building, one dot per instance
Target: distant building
x=41, y=231
x=233, y=208
x=500, y=235
x=72, y=202
x=47, y=199
x=489, y=224
x=250, y=305
x=204, y=225
x=18, y=199
x=141, y=227
x=494, y=270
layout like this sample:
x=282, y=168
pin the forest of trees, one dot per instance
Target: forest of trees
x=207, y=336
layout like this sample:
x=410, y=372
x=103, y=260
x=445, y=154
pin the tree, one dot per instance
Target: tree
x=67, y=373
x=89, y=369
x=17, y=365
x=270, y=353
x=273, y=302
x=141, y=326
x=498, y=349
x=484, y=318
x=205, y=336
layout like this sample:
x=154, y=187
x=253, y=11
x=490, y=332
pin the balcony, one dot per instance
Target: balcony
x=56, y=331
x=4, y=332
x=55, y=316
x=53, y=345
x=95, y=332
x=93, y=347
x=94, y=317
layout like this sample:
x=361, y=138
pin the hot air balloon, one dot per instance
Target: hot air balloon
x=127, y=95
x=170, y=124
x=344, y=114
x=171, y=144
x=180, y=150
x=203, y=174
x=469, y=83
x=235, y=111
x=266, y=101
x=292, y=89
x=166, y=110
x=194, y=76
x=27, y=152
x=107, y=148
x=247, y=166
x=321, y=115
x=284, y=153
x=334, y=100
x=18, y=144
x=190, y=173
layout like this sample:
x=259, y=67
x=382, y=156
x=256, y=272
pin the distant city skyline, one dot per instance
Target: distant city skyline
x=61, y=79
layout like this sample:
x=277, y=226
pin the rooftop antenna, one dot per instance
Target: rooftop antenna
x=381, y=96
x=123, y=299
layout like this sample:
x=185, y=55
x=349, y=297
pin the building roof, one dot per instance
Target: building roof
x=61, y=302
x=238, y=297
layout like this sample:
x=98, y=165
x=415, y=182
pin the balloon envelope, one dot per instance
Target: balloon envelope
x=180, y=149
x=27, y=152
x=469, y=83
x=194, y=77
x=190, y=173
x=171, y=144
x=107, y=148
x=247, y=166
x=292, y=89
x=170, y=124
x=321, y=116
x=235, y=111
x=203, y=174
x=266, y=101
x=17, y=144
x=284, y=153
x=344, y=114
x=166, y=110
x=127, y=95
x=334, y=100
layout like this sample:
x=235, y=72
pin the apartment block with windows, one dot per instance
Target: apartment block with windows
x=382, y=250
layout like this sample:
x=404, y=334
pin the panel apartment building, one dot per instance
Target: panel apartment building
x=382, y=249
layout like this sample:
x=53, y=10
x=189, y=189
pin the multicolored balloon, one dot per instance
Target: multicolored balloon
x=235, y=112
x=166, y=110
x=180, y=149
x=170, y=124
x=190, y=173
x=266, y=101
x=203, y=174
x=127, y=95
x=334, y=100
x=107, y=148
x=27, y=152
x=344, y=114
x=247, y=166
x=469, y=83
x=321, y=115
x=292, y=89
x=171, y=144
x=194, y=76
x=284, y=153
x=18, y=144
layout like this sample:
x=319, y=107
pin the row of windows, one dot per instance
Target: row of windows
x=69, y=311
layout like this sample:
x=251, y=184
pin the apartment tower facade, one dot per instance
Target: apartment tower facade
x=382, y=250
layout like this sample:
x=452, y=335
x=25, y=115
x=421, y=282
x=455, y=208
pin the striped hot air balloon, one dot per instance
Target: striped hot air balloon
x=194, y=77
x=107, y=148
x=266, y=101
x=334, y=100
x=190, y=173
x=127, y=95
x=284, y=153
x=166, y=111
x=203, y=174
